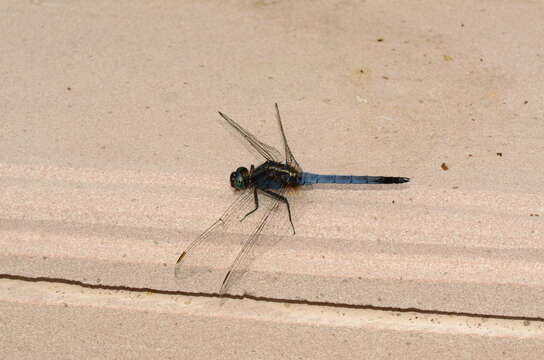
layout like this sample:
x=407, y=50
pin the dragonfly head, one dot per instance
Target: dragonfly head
x=239, y=178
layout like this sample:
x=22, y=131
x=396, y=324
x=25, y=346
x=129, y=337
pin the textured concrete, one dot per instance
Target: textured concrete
x=45, y=318
x=113, y=158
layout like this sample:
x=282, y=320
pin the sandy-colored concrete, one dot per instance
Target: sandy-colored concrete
x=126, y=228
x=113, y=158
x=122, y=324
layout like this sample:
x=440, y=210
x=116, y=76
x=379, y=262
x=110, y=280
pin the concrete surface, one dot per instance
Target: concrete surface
x=113, y=158
x=121, y=324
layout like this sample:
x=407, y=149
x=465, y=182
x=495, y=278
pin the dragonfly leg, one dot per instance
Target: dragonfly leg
x=283, y=199
x=256, y=204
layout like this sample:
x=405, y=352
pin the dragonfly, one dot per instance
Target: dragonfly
x=271, y=179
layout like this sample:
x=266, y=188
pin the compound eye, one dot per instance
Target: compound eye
x=242, y=171
x=233, y=179
x=240, y=181
x=238, y=178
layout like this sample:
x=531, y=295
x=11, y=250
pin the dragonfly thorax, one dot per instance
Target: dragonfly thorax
x=239, y=179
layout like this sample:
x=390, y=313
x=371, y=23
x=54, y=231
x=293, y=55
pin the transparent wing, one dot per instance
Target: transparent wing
x=266, y=151
x=271, y=215
x=230, y=244
x=189, y=258
x=289, y=158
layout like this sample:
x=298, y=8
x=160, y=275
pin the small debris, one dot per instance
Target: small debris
x=526, y=102
x=68, y=88
x=361, y=99
x=379, y=39
x=385, y=77
x=499, y=154
x=444, y=166
x=447, y=58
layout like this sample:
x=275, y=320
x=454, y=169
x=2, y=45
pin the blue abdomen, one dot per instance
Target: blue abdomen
x=306, y=178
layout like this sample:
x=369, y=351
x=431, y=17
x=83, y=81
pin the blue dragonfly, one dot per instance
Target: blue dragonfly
x=271, y=179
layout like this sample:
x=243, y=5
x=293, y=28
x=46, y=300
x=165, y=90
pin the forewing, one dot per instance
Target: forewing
x=274, y=214
x=266, y=151
x=289, y=158
x=198, y=258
